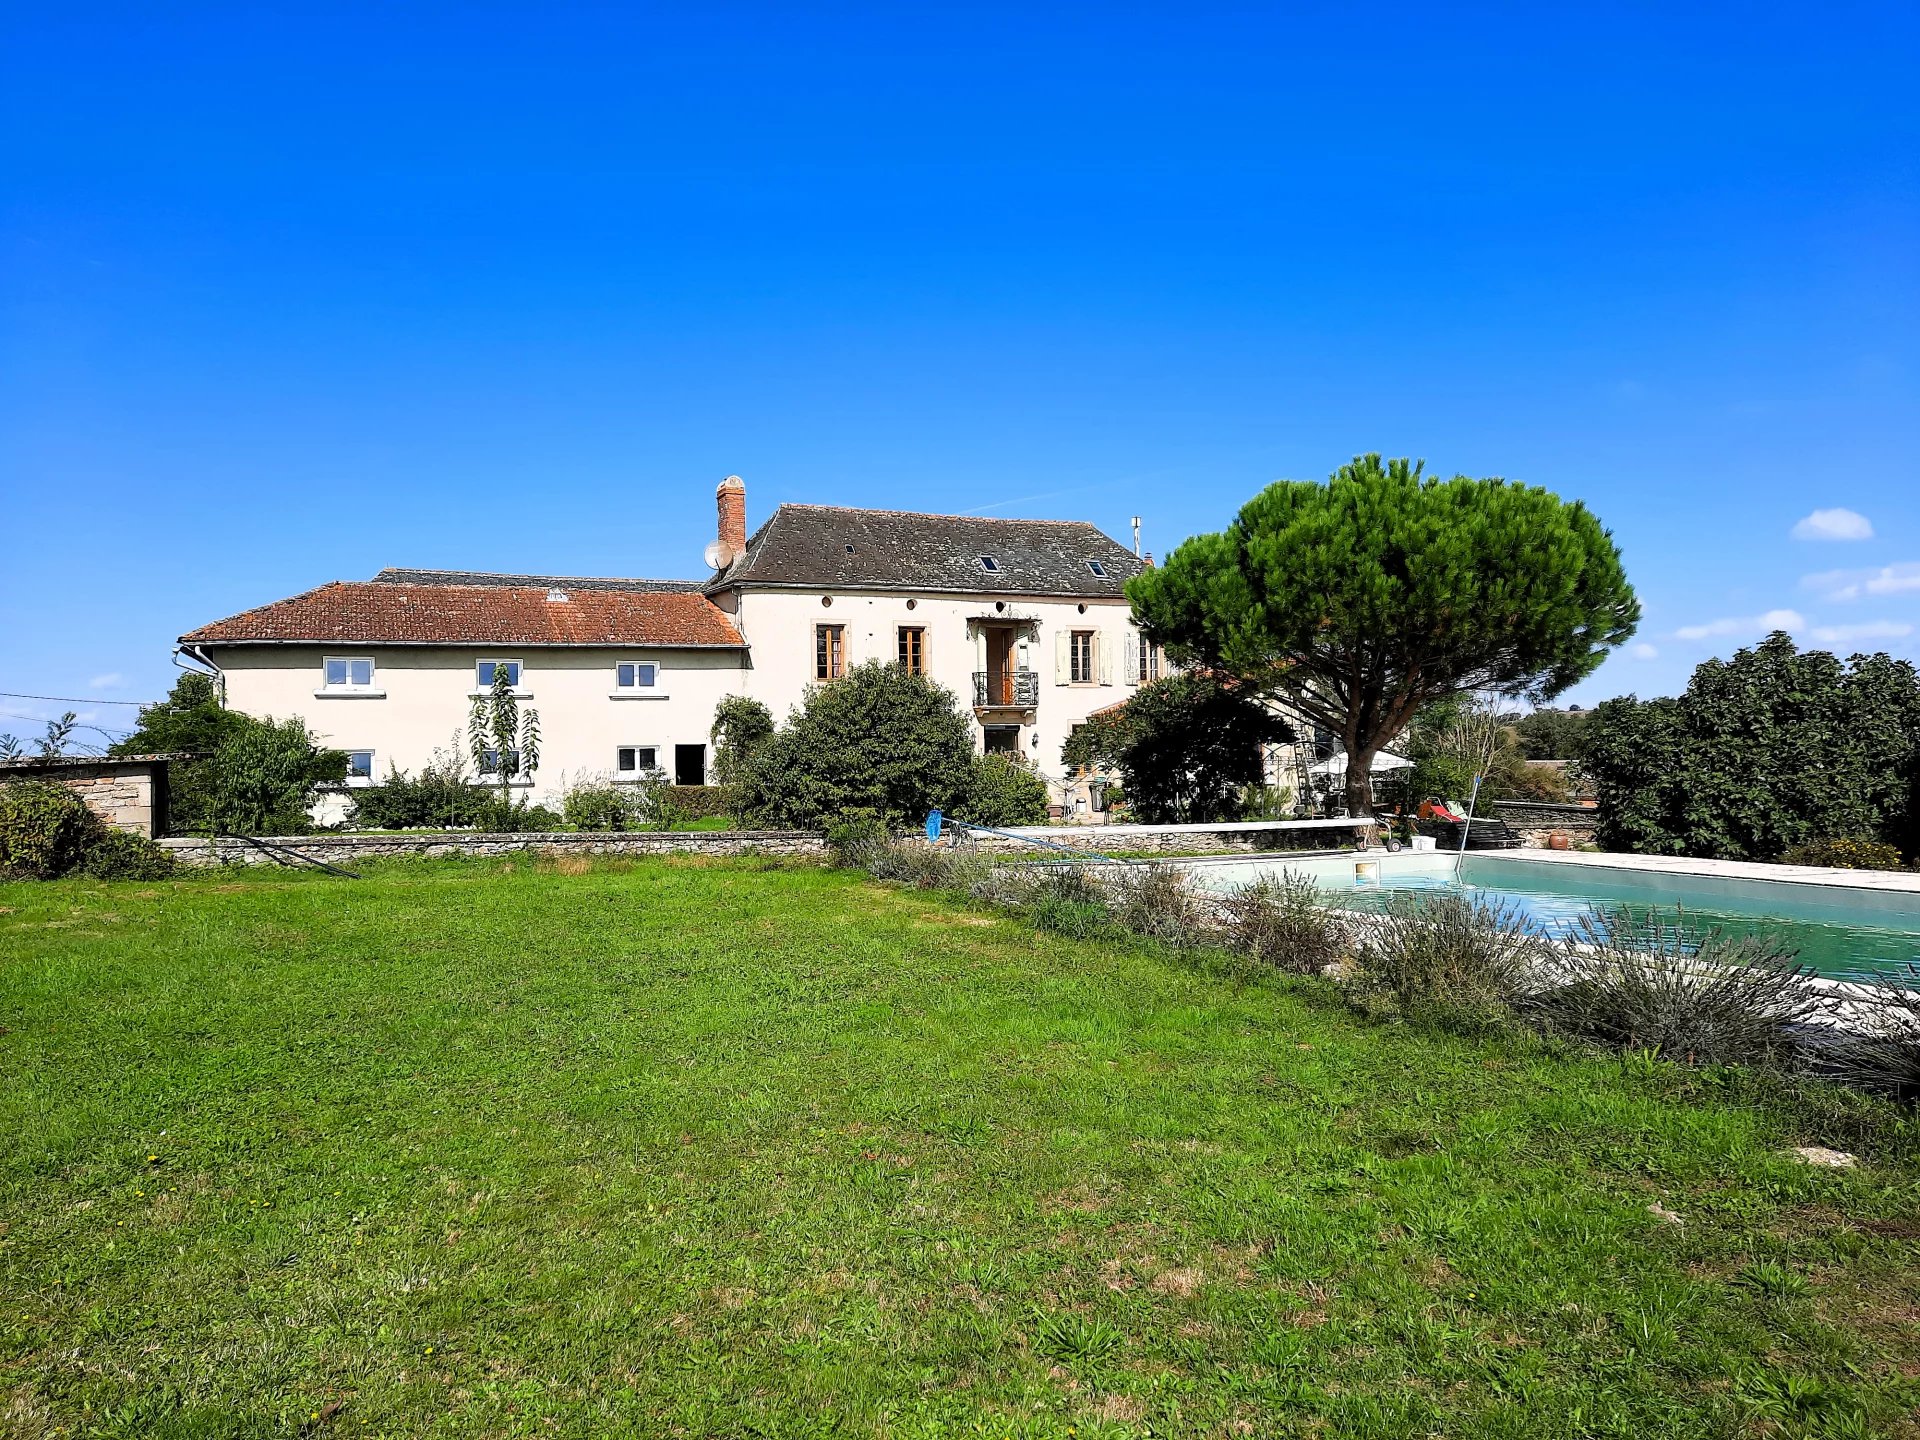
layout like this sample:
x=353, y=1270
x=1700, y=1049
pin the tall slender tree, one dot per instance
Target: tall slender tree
x=1362, y=599
x=496, y=725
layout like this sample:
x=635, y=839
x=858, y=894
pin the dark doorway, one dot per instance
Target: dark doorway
x=1003, y=739
x=1002, y=658
x=689, y=764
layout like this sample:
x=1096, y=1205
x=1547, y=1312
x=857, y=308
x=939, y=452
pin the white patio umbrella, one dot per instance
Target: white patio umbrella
x=1383, y=761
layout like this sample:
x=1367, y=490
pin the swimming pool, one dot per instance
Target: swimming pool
x=1842, y=924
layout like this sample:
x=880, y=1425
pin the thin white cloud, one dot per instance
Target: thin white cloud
x=1644, y=651
x=1901, y=579
x=1744, y=626
x=1835, y=524
x=112, y=680
x=1870, y=630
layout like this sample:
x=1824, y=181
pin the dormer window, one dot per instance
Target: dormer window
x=1096, y=568
x=989, y=564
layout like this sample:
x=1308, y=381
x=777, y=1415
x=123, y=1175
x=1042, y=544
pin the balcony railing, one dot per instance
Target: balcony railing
x=1012, y=689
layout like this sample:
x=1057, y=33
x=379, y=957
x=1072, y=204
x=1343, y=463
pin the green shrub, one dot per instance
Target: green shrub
x=1642, y=982
x=439, y=798
x=520, y=816
x=877, y=739
x=1160, y=903
x=741, y=729
x=855, y=837
x=1764, y=752
x=1543, y=784
x=191, y=720
x=1882, y=1053
x=1067, y=899
x=1003, y=791
x=601, y=805
x=123, y=855
x=1454, y=962
x=927, y=867
x=47, y=831
x=248, y=775
x=1284, y=921
x=701, y=802
x=1845, y=853
x=266, y=775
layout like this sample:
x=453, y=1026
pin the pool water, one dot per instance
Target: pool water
x=1837, y=930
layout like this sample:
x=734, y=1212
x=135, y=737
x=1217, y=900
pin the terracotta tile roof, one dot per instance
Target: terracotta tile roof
x=365, y=612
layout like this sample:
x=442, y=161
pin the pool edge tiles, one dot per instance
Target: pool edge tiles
x=1832, y=897
x=1903, y=882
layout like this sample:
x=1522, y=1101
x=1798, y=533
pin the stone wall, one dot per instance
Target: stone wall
x=127, y=794
x=1109, y=839
x=1535, y=821
x=345, y=850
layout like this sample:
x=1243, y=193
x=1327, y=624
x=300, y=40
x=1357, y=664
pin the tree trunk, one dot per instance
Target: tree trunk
x=1359, y=780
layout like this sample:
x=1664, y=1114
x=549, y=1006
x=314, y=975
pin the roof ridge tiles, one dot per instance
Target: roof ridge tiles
x=929, y=514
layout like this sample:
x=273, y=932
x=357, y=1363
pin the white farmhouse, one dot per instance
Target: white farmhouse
x=1025, y=620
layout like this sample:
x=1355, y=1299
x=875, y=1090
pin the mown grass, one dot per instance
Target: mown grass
x=670, y=1147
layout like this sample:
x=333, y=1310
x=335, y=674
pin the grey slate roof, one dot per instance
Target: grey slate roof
x=401, y=576
x=833, y=548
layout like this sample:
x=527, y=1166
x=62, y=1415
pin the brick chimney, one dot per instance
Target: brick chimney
x=731, y=498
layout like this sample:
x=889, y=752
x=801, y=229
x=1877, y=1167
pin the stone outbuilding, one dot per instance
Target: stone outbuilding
x=129, y=792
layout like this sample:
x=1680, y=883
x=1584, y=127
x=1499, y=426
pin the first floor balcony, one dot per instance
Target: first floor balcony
x=1006, y=689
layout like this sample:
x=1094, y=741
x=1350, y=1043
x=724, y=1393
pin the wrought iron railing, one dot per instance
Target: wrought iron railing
x=1012, y=688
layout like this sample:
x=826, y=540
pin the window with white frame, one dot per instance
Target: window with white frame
x=484, y=671
x=1150, y=660
x=360, y=766
x=633, y=761
x=1081, y=671
x=348, y=672
x=490, y=763
x=636, y=675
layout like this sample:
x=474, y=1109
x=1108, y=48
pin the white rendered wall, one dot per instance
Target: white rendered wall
x=778, y=626
x=421, y=700
x=421, y=693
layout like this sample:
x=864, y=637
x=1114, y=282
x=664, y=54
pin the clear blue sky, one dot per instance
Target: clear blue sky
x=284, y=299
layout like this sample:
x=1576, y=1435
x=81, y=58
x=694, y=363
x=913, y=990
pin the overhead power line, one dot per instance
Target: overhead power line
x=41, y=720
x=74, y=699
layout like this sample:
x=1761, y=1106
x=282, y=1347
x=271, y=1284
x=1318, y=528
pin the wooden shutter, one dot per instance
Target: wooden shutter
x=1103, y=646
x=1063, y=657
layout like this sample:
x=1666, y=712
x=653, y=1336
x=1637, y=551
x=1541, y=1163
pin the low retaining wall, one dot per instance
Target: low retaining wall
x=1227, y=838
x=1535, y=821
x=344, y=850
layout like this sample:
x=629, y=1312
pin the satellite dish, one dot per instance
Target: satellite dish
x=716, y=555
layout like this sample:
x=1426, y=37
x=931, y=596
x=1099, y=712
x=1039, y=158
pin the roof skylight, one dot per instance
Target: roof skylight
x=989, y=564
x=1096, y=567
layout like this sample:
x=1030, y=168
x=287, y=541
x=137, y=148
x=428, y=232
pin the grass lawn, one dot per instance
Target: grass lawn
x=682, y=1148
